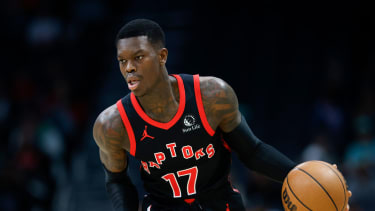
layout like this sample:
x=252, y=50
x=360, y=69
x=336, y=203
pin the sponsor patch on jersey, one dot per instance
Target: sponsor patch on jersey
x=190, y=123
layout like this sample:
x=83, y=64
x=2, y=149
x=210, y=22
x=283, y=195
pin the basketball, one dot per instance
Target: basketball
x=314, y=185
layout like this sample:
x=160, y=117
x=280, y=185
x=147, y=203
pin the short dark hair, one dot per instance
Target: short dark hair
x=143, y=27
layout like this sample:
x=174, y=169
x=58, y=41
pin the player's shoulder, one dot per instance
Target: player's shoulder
x=107, y=115
x=219, y=101
x=210, y=82
x=109, y=131
x=212, y=86
x=109, y=119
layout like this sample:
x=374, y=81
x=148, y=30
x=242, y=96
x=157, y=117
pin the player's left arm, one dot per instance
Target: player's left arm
x=221, y=107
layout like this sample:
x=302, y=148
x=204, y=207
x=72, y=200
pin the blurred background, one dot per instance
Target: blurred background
x=304, y=74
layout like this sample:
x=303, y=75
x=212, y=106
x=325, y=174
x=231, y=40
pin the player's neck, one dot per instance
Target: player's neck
x=162, y=103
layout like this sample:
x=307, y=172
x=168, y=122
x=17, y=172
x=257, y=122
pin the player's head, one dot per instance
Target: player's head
x=143, y=27
x=142, y=55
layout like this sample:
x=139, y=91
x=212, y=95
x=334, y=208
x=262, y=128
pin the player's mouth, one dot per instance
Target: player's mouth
x=133, y=84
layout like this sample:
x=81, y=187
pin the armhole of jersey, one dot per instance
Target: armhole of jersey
x=128, y=127
x=225, y=144
x=198, y=99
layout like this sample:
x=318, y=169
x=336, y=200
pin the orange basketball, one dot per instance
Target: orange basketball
x=314, y=185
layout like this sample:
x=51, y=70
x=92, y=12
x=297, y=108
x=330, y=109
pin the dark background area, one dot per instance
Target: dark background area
x=304, y=73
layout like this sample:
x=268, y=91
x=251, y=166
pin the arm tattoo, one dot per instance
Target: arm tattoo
x=110, y=135
x=220, y=104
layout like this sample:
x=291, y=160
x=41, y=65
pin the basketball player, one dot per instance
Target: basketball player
x=182, y=128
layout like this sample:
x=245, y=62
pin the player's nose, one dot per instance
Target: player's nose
x=130, y=67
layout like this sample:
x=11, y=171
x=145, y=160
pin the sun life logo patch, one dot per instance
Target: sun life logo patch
x=190, y=123
x=189, y=120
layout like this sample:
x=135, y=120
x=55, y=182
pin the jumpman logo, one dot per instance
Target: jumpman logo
x=145, y=135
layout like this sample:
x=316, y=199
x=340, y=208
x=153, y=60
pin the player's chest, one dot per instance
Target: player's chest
x=184, y=144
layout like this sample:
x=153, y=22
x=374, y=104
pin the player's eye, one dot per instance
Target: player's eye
x=122, y=61
x=139, y=57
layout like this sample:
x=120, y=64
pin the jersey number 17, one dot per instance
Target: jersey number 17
x=171, y=178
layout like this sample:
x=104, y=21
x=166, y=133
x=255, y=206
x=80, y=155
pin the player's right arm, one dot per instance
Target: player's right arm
x=111, y=137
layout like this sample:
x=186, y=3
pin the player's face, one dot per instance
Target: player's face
x=139, y=64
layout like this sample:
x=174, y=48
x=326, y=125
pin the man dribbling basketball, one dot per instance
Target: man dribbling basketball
x=174, y=124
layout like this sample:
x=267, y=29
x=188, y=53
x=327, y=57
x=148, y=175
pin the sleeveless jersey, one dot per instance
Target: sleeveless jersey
x=183, y=158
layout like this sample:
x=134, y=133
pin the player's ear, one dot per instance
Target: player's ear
x=163, y=55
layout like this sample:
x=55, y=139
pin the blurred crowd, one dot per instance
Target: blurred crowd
x=52, y=55
x=309, y=101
